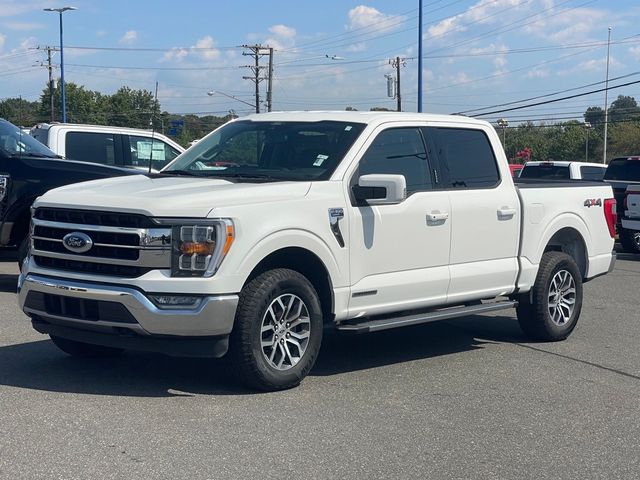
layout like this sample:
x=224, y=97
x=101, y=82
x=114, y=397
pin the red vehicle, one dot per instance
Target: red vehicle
x=515, y=168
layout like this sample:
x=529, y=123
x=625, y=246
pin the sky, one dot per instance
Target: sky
x=330, y=54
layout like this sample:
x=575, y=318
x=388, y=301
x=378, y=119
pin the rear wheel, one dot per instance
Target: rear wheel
x=80, y=349
x=278, y=330
x=552, y=309
x=630, y=240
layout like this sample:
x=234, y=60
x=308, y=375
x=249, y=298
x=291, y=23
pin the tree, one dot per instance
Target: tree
x=624, y=139
x=594, y=116
x=624, y=108
x=20, y=112
x=132, y=108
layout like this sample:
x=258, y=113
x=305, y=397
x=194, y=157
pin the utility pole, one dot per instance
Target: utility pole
x=257, y=51
x=51, y=89
x=270, y=81
x=606, y=101
x=397, y=63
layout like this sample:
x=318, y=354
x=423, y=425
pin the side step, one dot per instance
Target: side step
x=416, y=319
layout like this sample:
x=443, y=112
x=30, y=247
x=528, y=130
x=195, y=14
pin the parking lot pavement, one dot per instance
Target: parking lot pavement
x=468, y=398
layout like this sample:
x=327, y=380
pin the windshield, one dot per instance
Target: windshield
x=623, y=169
x=270, y=150
x=550, y=171
x=14, y=142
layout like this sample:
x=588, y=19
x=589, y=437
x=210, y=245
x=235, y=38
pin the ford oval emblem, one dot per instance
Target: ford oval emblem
x=77, y=242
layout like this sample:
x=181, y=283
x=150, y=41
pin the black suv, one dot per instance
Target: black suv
x=27, y=170
x=621, y=173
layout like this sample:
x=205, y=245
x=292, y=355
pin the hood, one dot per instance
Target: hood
x=168, y=196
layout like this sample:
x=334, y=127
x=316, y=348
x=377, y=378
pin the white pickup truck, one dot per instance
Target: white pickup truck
x=631, y=219
x=277, y=226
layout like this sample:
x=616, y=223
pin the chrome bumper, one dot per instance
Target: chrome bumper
x=213, y=316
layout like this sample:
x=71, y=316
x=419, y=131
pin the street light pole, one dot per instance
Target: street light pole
x=62, y=90
x=211, y=93
x=606, y=100
x=420, y=56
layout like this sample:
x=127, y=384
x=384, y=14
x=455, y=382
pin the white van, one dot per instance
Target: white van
x=119, y=146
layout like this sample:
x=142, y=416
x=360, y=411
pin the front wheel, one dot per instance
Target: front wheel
x=551, y=310
x=278, y=330
x=630, y=240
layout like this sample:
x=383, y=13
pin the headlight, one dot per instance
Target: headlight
x=4, y=186
x=199, y=248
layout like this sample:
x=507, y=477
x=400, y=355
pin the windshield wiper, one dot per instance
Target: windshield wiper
x=249, y=176
x=187, y=173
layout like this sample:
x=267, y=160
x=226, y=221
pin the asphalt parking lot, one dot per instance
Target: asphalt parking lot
x=468, y=398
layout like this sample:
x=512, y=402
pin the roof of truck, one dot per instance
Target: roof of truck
x=362, y=117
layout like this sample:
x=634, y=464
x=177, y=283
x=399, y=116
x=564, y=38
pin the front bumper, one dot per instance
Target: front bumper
x=73, y=306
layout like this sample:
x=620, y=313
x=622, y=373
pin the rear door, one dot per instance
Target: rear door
x=485, y=214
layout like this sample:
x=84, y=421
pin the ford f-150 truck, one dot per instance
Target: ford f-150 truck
x=277, y=226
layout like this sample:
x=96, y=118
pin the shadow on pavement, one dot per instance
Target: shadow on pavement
x=40, y=365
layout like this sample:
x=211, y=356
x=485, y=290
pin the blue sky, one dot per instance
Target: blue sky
x=330, y=54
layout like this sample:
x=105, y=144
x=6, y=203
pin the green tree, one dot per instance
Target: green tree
x=20, y=112
x=624, y=108
x=594, y=116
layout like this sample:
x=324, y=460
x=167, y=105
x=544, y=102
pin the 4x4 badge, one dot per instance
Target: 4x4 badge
x=592, y=202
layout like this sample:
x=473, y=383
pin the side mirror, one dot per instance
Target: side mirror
x=380, y=189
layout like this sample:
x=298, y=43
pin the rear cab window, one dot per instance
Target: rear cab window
x=591, y=173
x=547, y=171
x=465, y=158
x=91, y=147
x=624, y=169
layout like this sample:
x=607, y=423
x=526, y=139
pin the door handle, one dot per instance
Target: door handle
x=506, y=212
x=437, y=216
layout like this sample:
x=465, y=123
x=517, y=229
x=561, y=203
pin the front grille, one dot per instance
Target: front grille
x=78, y=308
x=110, y=269
x=89, y=217
x=121, y=245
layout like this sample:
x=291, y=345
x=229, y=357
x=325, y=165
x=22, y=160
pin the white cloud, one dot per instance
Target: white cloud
x=101, y=33
x=371, y=21
x=483, y=12
x=206, y=48
x=593, y=65
x=28, y=42
x=568, y=25
x=23, y=26
x=363, y=16
x=282, y=37
x=635, y=52
x=2, y=40
x=203, y=48
x=129, y=37
x=538, y=73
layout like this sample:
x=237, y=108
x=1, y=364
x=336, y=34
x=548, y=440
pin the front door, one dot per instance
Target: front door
x=399, y=253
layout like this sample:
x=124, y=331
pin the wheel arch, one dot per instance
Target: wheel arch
x=306, y=263
x=570, y=241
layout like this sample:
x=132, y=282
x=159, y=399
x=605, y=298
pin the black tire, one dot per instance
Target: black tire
x=533, y=311
x=86, y=350
x=630, y=240
x=23, y=251
x=246, y=351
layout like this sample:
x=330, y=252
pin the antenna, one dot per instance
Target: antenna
x=153, y=127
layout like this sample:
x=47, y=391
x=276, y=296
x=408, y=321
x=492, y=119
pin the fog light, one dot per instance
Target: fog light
x=175, y=301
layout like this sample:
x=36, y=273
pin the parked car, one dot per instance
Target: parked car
x=515, y=169
x=564, y=170
x=27, y=170
x=275, y=227
x=117, y=146
x=631, y=218
x=621, y=173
